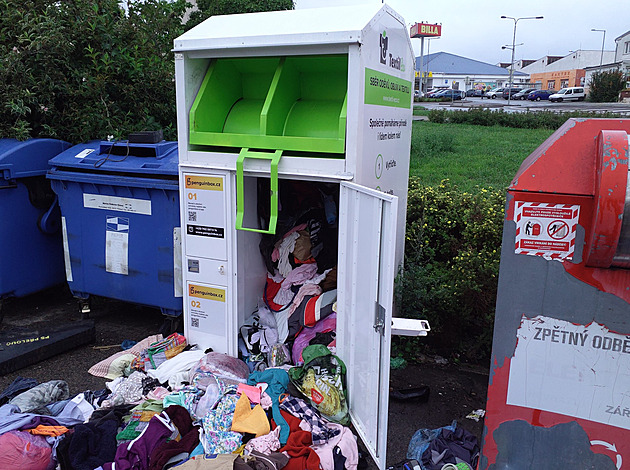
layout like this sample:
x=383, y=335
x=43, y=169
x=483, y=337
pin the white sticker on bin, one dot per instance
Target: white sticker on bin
x=84, y=153
x=115, y=203
x=66, y=250
x=117, y=245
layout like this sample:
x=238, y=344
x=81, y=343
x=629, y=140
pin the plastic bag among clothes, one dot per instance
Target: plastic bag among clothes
x=434, y=448
x=322, y=381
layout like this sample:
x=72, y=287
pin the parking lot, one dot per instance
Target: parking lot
x=525, y=106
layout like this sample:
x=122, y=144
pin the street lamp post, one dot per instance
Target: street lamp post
x=601, y=57
x=516, y=20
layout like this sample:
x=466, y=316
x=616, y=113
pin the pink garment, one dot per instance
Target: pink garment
x=253, y=393
x=300, y=275
x=275, y=254
x=306, y=289
x=265, y=444
x=310, y=287
x=265, y=401
x=347, y=443
x=157, y=393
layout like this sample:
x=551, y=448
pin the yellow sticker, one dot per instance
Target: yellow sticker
x=210, y=183
x=203, y=292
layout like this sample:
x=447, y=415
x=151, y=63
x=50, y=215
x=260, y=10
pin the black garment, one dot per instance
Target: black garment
x=338, y=459
x=94, y=443
x=450, y=446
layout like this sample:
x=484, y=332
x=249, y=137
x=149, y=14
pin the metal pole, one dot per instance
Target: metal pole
x=428, y=54
x=601, y=57
x=512, y=62
x=514, y=45
x=421, y=62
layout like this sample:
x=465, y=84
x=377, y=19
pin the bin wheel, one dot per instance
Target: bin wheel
x=84, y=308
x=170, y=325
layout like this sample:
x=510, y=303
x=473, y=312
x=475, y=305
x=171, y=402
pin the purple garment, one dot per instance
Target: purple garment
x=307, y=334
x=135, y=454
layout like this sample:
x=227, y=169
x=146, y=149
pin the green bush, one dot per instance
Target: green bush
x=207, y=8
x=528, y=120
x=605, y=86
x=82, y=70
x=452, y=251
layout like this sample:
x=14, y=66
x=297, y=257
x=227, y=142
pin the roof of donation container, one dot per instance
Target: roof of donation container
x=336, y=25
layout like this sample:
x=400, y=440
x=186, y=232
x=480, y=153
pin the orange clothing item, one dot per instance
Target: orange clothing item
x=48, y=430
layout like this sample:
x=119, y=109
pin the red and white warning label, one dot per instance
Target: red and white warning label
x=546, y=230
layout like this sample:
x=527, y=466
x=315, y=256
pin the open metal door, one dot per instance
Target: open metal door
x=367, y=243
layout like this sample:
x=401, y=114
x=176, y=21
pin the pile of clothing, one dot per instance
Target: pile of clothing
x=298, y=304
x=170, y=405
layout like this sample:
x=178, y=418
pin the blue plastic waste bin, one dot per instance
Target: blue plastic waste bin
x=31, y=252
x=120, y=221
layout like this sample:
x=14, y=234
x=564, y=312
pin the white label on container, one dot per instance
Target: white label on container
x=207, y=309
x=66, y=250
x=177, y=262
x=115, y=203
x=582, y=371
x=117, y=245
x=84, y=153
x=546, y=230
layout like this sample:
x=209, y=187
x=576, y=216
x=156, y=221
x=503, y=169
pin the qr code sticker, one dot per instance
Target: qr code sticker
x=192, y=216
x=194, y=322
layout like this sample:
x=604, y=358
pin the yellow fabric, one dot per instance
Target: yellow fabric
x=248, y=419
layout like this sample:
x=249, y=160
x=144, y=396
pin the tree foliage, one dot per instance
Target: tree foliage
x=82, y=70
x=207, y=8
x=605, y=86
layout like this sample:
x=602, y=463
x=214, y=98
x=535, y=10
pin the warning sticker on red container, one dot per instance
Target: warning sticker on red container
x=546, y=230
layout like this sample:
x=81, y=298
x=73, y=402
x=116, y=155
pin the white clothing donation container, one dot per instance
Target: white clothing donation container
x=298, y=122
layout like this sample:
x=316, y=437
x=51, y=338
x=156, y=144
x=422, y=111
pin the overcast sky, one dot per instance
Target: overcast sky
x=478, y=32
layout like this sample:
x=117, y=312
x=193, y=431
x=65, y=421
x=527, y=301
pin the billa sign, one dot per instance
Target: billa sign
x=424, y=30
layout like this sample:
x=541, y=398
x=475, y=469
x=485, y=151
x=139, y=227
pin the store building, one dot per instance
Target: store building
x=621, y=59
x=551, y=73
x=444, y=70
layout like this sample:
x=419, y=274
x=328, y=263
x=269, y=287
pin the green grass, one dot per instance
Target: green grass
x=469, y=155
x=420, y=111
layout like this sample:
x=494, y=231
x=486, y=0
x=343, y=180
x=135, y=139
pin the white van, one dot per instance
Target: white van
x=571, y=93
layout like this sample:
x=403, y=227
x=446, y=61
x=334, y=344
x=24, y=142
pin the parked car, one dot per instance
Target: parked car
x=570, y=93
x=522, y=95
x=470, y=92
x=510, y=91
x=431, y=93
x=494, y=93
x=450, y=94
x=540, y=95
x=417, y=94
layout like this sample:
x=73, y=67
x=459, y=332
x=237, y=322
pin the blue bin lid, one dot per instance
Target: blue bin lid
x=28, y=158
x=161, y=158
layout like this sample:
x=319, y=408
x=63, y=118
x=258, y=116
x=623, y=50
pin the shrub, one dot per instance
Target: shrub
x=605, y=86
x=452, y=252
x=82, y=70
x=528, y=120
